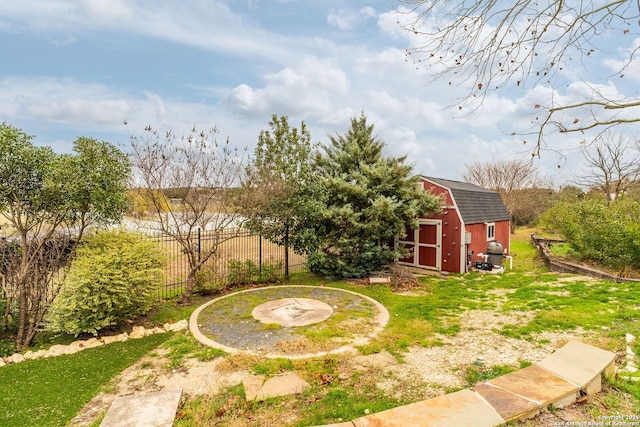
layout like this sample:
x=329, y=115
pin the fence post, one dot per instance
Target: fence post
x=286, y=254
x=260, y=253
x=199, y=244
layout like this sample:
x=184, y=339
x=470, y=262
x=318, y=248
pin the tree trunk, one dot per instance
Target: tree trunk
x=191, y=285
x=23, y=314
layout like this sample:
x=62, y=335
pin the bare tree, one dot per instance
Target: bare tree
x=513, y=179
x=198, y=176
x=489, y=45
x=614, y=165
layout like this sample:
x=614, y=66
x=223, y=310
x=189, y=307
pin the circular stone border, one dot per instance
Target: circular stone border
x=382, y=320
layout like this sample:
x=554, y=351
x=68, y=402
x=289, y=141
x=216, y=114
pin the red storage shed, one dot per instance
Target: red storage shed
x=471, y=217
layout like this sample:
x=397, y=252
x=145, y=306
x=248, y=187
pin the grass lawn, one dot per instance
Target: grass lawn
x=49, y=392
x=438, y=309
x=426, y=317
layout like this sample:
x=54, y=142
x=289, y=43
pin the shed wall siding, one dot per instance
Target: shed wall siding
x=438, y=191
x=453, y=248
x=479, y=238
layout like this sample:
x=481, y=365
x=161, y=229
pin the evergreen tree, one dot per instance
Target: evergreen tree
x=369, y=199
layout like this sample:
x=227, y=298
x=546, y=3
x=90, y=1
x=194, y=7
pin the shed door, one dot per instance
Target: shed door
x=429, y=238
x=424, y=245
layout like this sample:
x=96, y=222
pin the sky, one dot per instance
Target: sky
x=73, y=68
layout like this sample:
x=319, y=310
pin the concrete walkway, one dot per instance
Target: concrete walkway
x=558, y=380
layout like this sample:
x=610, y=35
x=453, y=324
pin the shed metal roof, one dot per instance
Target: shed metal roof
x=475, y=204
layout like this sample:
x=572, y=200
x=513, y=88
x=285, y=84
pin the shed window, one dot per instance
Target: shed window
x=491, y=230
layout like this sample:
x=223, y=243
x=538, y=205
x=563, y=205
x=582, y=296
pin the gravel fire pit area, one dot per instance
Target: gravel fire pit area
x=289, y=321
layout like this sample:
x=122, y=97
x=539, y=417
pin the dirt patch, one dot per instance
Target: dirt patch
x=151, y=373
x=442, y=368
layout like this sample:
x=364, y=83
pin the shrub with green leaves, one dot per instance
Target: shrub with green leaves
x=245, y=272
x=113, y=279
x=608, y=234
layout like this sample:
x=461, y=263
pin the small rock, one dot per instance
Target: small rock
x=378, y=280
x=138, y=332
x=39, y=354
x=282, y=385
x=109, y=339
x=375, y=360
x=158, y=330
x=93, y=342
x=630, y=338
x=16, y=358
x=75, y=346
x=2, y=362
x=178, y=326
x=28, y=355
x=56, y=350
x=343, y=376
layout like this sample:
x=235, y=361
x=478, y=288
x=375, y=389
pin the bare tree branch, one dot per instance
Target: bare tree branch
x=614, y=166
x=489, y=45
x=512, y=179
x=188, y=183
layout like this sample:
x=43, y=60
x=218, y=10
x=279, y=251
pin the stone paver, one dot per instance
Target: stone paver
x=538, y=384
x=510, y=406
x=256, y=388
x=252, y=385
x=156, y=409
x=514, y=396
x=581, y=364
x=460, y=409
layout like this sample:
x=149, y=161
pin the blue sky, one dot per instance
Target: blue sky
x=81, y=67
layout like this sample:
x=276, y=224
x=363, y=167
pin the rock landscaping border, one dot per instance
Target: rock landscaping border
x=76, y=346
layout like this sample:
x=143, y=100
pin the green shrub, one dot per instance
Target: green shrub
x=608, y=234
x=113, y=279
x=209, y=281
x=245, y=272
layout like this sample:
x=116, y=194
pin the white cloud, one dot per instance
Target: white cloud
x=106, y=10
x=393, y=23
x=309, y=89
x=62, y=101
x=346, y=19
x=206, y=24
x=628, y=64
x=81, y=107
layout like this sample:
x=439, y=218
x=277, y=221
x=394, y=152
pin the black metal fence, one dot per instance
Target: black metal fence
x=241, y=257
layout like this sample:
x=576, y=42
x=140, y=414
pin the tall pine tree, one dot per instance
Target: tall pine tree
x=369, y=199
